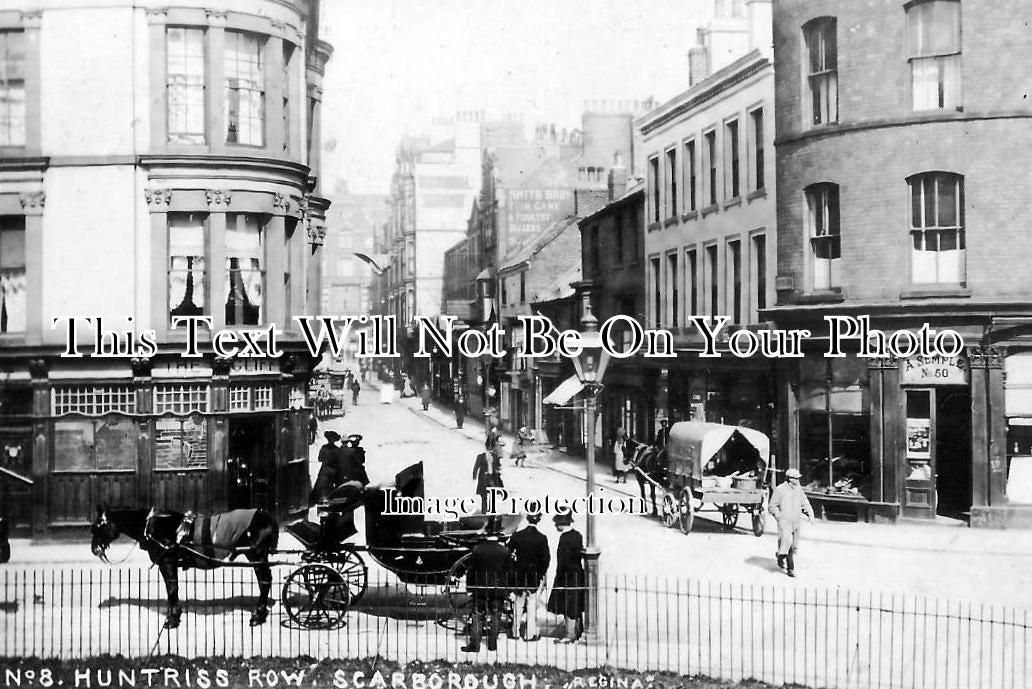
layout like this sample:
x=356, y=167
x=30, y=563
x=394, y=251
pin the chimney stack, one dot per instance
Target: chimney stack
x=617, y=181
x=761, y=31
x=698, y=59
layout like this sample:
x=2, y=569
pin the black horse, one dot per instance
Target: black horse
x=650, y=461
x=159, y=534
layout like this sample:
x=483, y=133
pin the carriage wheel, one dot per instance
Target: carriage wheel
x=353, y=570
x=460, y=603
x=671, y=512
x=685, y=510
x=729, y=515
x=316, y=596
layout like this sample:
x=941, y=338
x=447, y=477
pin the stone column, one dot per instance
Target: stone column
x=977, y=371
x=216, y=89
x=997, y=421
x=218, y=205
x=41, y=430
x=276, y=260
x=32, y=206
x=143, y=389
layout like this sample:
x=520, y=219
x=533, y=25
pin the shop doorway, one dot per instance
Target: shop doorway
x=250, y=461
x=938, y=453
x=953, y=452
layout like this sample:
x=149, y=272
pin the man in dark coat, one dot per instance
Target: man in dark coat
x=486, y=577
x=487, y=474
x=313, y=427
x=530, y=552
x=329, y=466
x=568, y=590
x=460, y=410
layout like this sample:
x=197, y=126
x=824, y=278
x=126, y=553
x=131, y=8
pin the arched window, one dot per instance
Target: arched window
x=821, y=70
x=824, y=232
x=937, y=228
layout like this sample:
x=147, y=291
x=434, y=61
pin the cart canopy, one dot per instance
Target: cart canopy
x=697, y=442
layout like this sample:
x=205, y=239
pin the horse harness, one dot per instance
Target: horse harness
x=196, y=535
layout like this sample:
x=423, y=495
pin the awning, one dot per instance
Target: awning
x=564, y=392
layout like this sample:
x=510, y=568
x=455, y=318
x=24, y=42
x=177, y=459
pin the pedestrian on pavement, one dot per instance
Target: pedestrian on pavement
x=493, y=439
x=424, y=396
x=568, y=589
x=313, y=427
x=460, y=410
x=486, y=576
x=531, y=559
x=788, y=504
x=487, y=474
x=519, y=450
x=329, y=464
x=663, y=433
x=621, y=462
x=352, y=461
x=355, y=389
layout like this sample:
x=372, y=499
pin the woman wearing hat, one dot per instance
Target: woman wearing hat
x=788, y=504
x=568, y=589
x=329, y=455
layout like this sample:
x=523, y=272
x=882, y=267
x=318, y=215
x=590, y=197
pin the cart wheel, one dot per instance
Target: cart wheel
x=759, y=519
x=353, y=570
x=671, y=513
x=685, y=510
x=460, y=603
x=729, y=515
x=315, y=596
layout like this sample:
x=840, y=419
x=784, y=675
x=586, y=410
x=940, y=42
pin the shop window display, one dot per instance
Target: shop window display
x=834, y=427
x=1018, y=405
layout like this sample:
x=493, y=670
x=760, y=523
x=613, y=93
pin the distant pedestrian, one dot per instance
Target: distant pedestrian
x=530, y=553
x=788, y=504
x=460, y=410
x=568, y=590
x=493, y=439
x=519, y=450
x=313, y=427
x=621, y=462
x=486, y=579
x=355, y=389
x=663, y=433
x=424, y=396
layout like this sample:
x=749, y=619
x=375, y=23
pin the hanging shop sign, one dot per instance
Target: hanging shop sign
x=935, y=370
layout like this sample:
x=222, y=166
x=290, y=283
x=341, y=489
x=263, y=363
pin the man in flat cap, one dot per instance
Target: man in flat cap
x=487, y=576
x=788, y=505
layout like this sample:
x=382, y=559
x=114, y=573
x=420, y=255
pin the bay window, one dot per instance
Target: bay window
x=937, y=228
x=185, y=79
x=822, y=227
x=244, y=71
x=244, y=269
x=933, y=48
x=12, y=274
x=186, y=270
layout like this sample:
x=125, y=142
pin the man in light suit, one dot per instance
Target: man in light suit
x=788, y=505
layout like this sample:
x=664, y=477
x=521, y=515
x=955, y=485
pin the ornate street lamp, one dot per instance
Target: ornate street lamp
x=591, y=366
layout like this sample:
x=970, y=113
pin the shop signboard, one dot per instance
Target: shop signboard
x=935, y=370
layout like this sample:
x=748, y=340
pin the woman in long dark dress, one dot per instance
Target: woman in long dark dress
x=568, y=590
x=329, y=468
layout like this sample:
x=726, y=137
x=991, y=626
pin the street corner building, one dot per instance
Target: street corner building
x=156, y=161
x=898, y=197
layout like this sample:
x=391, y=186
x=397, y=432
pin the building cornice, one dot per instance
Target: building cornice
x=703, y=92
x=221, y=165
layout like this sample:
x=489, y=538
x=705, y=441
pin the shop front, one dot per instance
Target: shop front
x=203, y=435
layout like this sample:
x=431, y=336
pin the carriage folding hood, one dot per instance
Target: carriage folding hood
x=696, y=442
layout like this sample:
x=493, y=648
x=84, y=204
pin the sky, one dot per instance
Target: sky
x=398, y=63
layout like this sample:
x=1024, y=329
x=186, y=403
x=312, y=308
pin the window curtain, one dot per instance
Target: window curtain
x=177, y=278
x=12, y=301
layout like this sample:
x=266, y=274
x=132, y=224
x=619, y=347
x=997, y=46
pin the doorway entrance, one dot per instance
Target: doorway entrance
x=938, y=453
x=250, y=462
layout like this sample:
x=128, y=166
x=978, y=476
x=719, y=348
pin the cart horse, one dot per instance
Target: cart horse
x=727, y=467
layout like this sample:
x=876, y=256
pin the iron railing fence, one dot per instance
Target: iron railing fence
x=774, y=633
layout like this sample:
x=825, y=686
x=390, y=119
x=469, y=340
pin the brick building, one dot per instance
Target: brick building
x=899, y=198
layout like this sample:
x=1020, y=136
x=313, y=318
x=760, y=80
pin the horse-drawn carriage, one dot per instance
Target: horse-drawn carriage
x=331, y=575
x=709, y=463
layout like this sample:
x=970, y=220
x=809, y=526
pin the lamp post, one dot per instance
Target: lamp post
x=591, y=366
